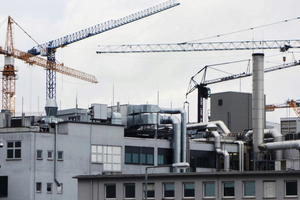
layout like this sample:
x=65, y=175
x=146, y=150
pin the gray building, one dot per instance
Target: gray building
x=178, y=186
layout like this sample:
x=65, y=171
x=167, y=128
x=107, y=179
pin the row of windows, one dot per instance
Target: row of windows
x=14, y=152
x=49, y=189
x=209, y=189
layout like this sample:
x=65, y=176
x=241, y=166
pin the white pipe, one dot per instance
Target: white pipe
x=258, y=117
x=55, y=152
x=241, y=154
x=219, y=123
x=284, y=145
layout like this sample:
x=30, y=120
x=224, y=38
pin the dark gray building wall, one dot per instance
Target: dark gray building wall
x=235, y=110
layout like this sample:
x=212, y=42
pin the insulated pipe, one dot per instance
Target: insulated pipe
x=218, y=123
x=258, y=117
x=275, y=134
x=55, y=152
x=292, y=144
x=241, y=154
x=183, y=129
x=176, y=136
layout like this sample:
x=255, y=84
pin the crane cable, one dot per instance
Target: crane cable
x=252, y=28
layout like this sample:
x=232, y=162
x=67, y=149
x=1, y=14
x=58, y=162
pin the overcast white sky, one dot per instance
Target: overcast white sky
x=137, y=78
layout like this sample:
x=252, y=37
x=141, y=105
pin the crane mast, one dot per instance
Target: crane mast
x=50, y=47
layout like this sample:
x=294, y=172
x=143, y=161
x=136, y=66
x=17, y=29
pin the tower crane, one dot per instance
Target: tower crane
x=288, y=104
x=9, y=71
x=48, y=49
x=203, y=91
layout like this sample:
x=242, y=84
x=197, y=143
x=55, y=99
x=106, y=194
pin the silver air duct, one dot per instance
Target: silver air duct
x=51, y=107
x=258, y=117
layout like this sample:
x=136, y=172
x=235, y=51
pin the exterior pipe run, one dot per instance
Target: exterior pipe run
x=55, y=152
x=277, y=138
x=219, y=151
x=241, y=155
x=219, y=123
x=293, y=144
x=181, y=139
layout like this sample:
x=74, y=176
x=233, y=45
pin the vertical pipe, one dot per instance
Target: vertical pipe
x=55, y=152
x=258, y=116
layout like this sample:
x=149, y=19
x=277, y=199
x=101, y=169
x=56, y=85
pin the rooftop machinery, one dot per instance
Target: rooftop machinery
x=48, y=49
x=9, y=71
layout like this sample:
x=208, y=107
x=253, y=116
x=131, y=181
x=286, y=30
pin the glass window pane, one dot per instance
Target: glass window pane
x=143, y=158
x=116, y=159
x=209, y=189
x=129, y=191
x=135, y=158
x=169, y=190
x=127, y=157
x=49, y=187
x=150, y=159
x=249, y=188
x=117, y=150
x=109, y=150
x=110, y=191
x=99, y=149
x=10, y=144
x=94, y=149
x=94, y=158
x=189, y=190
x=10, y=153
x=39, y=153
x=291, y=188
x=269, y=189
x=17, y=153
x=229, y=189
x=160, y=159
x=99, y=158
x=17, y=144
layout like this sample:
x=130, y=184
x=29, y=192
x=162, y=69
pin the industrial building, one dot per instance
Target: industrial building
x=103, y=152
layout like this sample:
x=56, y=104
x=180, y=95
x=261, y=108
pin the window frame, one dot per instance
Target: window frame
x=49, y=191
x=229, y=196
x=14, y=149
x=115, y=191
x=186, y=191
x=36, y=187
x=164, y=190
x=37, y=153
x=285, y=188
x=244, y=190
x=134, y=155
x=204, y=189
x=274, y=189
x=62, y=156
x=50, y=158
x=59, y=189
x=153, y=190
x=125, y=191
x=109, y=156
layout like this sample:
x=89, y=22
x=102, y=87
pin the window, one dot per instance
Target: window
x=49, y=187
x=129, y=190
x=269, y=188
x=188, y=190
x=220, y=102
x=110, y=191
x=50, y=155
x=168, y=189
x=39, y=187
x=150, y=190
x=60, y=189
x=60, y=155
x=249, y=188
x=228, y=189
x=14, y=150
x=39, y=154
x=3, y=186
x=209, y=189
x=291, y=189
x=139, y=155
x=164, y=156
x=110, y=156
x=204, y=159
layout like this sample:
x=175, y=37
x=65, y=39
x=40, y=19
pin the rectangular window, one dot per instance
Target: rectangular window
x=291, y=189
x=60, y=189
x=188, y=190
x=220, y=102
x=169, y=190
x=269, y=188
x=249, y=188
x=60, y=155
x=49, y=187
x=139, y=155
x=110, y=191
x=150, y=190
x=39, y=154
x=129, y=191
x=228, y=189
x=209, y=189
x=39, y=187
x=50, y=155
x=164, y=156
x=3, y=186
x=110, y=156
x=14, y=150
